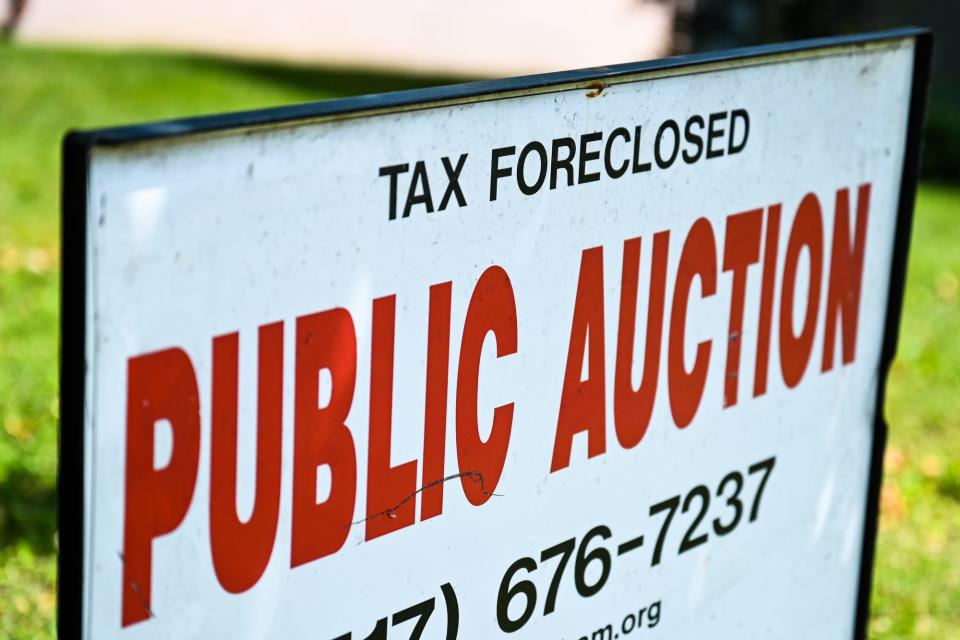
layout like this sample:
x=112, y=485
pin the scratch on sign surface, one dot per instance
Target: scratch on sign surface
x=476, y=476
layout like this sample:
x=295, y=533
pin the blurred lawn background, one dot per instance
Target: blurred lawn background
x=45, y=91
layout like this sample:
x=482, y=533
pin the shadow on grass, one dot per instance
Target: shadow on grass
x=28, y=511
x=342, y=81
x=949, y=485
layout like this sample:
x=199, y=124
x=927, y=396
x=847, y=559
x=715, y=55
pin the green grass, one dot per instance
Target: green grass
x=43, y=92
x=917, y=585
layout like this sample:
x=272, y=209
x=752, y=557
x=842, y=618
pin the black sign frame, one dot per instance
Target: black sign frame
x=78, y=146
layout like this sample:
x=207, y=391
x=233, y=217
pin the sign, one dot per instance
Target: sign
x=597, y=354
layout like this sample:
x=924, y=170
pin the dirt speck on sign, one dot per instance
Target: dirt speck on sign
x=596, y=88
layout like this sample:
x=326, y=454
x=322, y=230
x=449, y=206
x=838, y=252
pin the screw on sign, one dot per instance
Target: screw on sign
x=588, y=355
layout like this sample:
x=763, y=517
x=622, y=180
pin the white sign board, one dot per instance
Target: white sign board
x=589, y=355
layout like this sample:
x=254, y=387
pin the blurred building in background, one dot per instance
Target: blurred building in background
x=489, y=38
x=495, y=37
